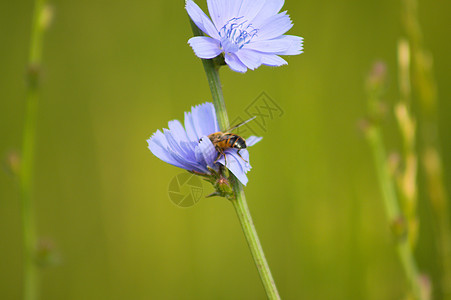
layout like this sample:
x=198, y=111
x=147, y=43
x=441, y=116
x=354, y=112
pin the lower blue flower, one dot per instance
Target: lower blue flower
x=190, y=148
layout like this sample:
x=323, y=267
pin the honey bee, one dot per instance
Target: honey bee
x=225, y=140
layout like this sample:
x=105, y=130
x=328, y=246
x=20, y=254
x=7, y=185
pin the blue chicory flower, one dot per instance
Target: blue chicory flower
x=250, y=33
x=190, y=148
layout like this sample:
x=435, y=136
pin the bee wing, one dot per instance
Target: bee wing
x=240, y=124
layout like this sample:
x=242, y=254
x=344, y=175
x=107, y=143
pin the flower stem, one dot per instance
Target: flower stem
x=239, y=202
x=30, y=280
x=247, y=224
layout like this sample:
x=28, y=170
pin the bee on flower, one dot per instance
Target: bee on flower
x=198, y=148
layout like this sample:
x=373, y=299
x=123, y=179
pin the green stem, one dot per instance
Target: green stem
x=247, y=224
x=392, y=208
x=239, y=202
x=30, y=280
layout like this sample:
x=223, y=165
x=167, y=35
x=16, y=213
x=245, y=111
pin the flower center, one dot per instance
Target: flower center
x=236, y=33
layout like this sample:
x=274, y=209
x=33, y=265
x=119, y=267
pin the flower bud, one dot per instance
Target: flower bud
x=224, y=187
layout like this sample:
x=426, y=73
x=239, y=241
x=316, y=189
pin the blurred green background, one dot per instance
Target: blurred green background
x=116, y=71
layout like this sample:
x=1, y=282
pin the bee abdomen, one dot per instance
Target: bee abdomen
x=239, y=143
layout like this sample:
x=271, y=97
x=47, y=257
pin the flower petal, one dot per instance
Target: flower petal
x=250, y=8
x=273, y=60
x=221, y=11
x=207, y=150
x=185, y=164
x=204, y=119
x=271, y=8
x=205, y=47
x=274, y=27
x=182, y=150
x=236, y=164
x=252, y=140
x=201, y=20
x=180, y=135
x=249, y=58
x=296, y=45
x=270, y=46
x=189, y=127
x=234, y=63
x=157, y=144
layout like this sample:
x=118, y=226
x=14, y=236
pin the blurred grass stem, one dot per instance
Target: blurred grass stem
x=431, y=158
x=239, y=202
x=407, y=177
x=396, y=220
x=30, y=278
x=385, y=174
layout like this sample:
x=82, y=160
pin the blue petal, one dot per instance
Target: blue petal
x=273, y=60
x=176, y=157
x=234, y=63
x=273, y=46
x=249, y=58
x=205, y=47
x=296, y=45
x=185, y=152
x=274, y=27
x=180, y=135
x=243, y=160
x=250, y=8
x=252, y=140
x=201, y=121
x=208, y=151
x=157, y=144
x=200, y=19
x=190, y=129
x=221, y=11
x=204, y=119
x=236, y=164
x=271, y=8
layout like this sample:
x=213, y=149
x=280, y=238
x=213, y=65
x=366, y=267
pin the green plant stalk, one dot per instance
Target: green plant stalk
x=239, y=201
x=396, y=221
x=247, y=224
x=30, y=278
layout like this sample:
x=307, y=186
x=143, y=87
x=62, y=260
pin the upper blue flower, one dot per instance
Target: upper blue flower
x=190, y=148
x=250, y=33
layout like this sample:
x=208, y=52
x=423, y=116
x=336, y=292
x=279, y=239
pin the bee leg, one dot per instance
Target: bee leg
x=238, y=152
x=220, y=152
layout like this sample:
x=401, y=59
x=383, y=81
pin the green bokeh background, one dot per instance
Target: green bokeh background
x=116, y=71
